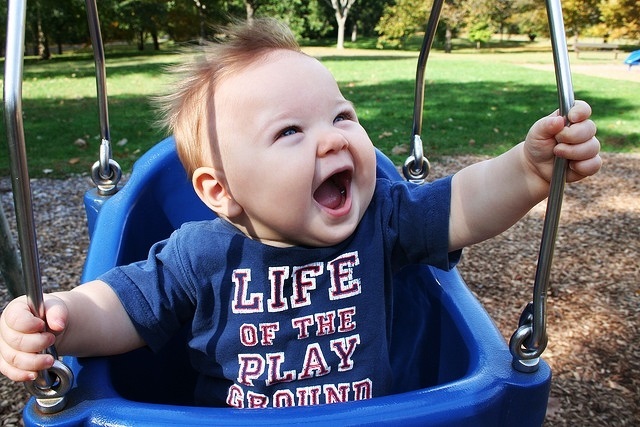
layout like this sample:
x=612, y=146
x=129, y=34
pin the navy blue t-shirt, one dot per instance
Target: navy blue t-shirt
x=276, y=327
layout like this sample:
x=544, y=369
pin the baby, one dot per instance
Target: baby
x=286, y=294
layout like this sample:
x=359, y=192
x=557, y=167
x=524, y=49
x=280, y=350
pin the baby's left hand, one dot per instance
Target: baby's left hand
x=549, y=137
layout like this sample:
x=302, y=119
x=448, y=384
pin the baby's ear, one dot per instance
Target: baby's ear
x=210, y=187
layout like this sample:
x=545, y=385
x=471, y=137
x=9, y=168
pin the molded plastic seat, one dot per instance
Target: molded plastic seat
x=454, y=367
x=633, y=59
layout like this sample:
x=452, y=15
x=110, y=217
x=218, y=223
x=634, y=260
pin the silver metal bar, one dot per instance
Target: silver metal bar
x=416, y=167
x=427, y=42
x=101, y=82
x=554, y=203
x=18, y=161
x=106, y=172
x=530, y=340
x=45, y=385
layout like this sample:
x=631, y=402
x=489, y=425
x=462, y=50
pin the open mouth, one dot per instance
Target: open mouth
x=334, y=191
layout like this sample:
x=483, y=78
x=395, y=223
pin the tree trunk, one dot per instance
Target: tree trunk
x=42, y=40
x=341, y=26
x=341, y=8
x=354, y=32
x=43, y=48
x=156, y=42
x=141, y=40
x=447, y=39
x=10, y=266
x=250, y=11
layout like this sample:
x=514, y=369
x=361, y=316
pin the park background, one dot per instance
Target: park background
x=489, y=76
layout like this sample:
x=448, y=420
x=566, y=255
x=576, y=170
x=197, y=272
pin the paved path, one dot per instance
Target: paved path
x=607, y=71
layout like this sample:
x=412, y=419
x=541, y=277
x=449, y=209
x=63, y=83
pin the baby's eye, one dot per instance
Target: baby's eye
x=288, y=132
x=346, y=115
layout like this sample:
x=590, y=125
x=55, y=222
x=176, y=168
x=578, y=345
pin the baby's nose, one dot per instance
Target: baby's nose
x=331, y=142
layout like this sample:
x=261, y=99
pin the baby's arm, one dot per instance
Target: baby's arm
x=489, y=197
x=87, y=321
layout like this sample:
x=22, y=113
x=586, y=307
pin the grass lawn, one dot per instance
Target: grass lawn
x=479, y=103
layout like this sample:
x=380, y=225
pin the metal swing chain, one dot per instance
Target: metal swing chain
x=530, y=339
x=51, y=386
x=416, y=167
x=106, y=172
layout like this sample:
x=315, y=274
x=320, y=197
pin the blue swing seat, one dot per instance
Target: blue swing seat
x=453, y=365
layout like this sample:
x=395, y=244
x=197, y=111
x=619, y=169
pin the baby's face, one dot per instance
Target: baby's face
x=293, y=153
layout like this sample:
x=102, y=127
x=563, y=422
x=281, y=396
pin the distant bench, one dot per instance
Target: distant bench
x=578, y=47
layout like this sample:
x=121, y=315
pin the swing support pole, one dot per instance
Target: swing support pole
x=416, y=167
x=530, y=339
x=51, y=386
x=106, y=172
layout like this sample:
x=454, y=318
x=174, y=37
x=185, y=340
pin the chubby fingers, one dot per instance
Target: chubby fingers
x=578, y=144
x=584, y=158
x=583, y=168
x=581, y=128
x=579, y=112
x=577, y=141
x=21, y=366
x=22, y=338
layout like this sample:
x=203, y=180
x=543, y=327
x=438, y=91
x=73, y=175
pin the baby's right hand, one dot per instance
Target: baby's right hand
x=24, y=336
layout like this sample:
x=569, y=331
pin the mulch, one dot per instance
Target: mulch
x=593, y=301
x=594, y=296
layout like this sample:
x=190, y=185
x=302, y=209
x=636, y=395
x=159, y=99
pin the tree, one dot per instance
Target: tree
x=54, y=22
x=341, y=8
x=66, y=22
x=480, y=32
x=529, y=18
x=580, y=15
x=142, y=17
x=365, y=15
x=35, y=17
x=453, y=18
x=401, y=20
x=500, y=13
x=186, y=21
x=306, y=18
x=252, y=6
x=482, y=19
x=406, y=17
x=621, y=18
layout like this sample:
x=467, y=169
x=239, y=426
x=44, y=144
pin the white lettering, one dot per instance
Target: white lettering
x=344, y=348
x=314, y=364
x=304, y=281
x=243, y=303
x=301, y=396
x=277, y=276
x=343, y=285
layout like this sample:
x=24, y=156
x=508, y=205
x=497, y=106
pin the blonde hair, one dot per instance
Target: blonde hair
x=185, y=111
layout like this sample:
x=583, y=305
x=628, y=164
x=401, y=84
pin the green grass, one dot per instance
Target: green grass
x=477, y=103
x=60, y=107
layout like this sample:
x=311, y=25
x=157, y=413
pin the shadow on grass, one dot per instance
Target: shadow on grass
x=82, y=65
x=482, y=118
